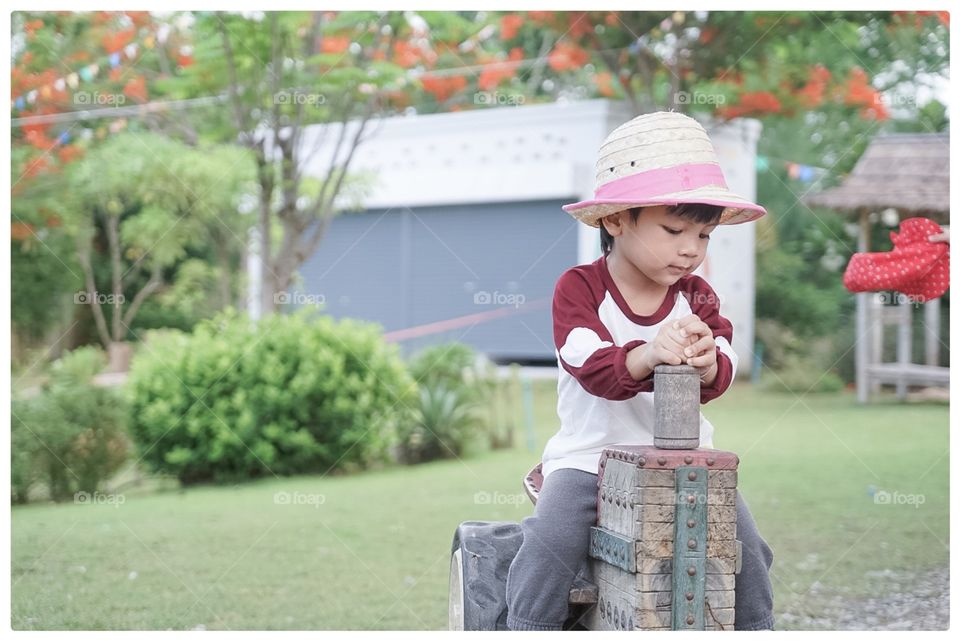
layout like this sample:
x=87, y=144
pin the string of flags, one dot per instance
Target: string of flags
x=89, y=72
x=795, y=170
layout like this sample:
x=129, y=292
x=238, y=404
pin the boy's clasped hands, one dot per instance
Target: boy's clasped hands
x=688, y=341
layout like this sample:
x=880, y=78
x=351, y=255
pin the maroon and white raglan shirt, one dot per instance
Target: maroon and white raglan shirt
x=600, y=403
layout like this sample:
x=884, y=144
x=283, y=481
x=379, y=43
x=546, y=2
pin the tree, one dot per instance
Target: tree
x=66, y=70
x=283, y=72
x=146, y=210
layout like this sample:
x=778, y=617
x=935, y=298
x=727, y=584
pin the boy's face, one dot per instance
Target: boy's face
x=662, y=245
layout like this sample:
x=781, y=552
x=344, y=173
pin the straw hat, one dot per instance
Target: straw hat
x=662, y=158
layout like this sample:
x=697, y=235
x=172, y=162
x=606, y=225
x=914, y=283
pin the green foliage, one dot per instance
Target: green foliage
x=289, y=395
x=40, y=283
x=71, y=437
x=798, y=364
x=443, y=365
x=470, y=396
x=446, y=412
x=800, y=294
x=444, y=424
x=175, y=209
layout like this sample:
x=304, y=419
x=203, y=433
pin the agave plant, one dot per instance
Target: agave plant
x=444, y=423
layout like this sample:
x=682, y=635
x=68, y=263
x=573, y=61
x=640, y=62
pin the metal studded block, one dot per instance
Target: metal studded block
x=648, y=500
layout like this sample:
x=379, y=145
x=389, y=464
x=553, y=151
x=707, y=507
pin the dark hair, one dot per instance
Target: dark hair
x=697, y=212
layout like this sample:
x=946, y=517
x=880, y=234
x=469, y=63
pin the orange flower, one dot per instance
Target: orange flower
x=335, y=44
x=493, y=74
x=811, y=95
x=567, y=56
x=861, y=92
x=32, y=26
x=405, y=54
x=578, y=23
x=442, y=87
x=40, y=141
x=139, y=18
x=754, y=103
x=20, y=231
x=136, y=88
x=875, y=112
x=604, y=83
x=509, y=26
x=69, y=153
x=942, y=16
x=114, y=42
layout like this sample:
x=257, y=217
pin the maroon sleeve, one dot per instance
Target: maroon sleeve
x=585, y=348
x=705, y=303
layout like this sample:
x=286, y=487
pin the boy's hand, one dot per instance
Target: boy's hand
x=667, y=347
x=700, y=350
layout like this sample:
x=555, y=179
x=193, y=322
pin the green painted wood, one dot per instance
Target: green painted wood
x=613, y=548
x=690, y=549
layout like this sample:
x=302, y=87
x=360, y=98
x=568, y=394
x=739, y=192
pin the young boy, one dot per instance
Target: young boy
x=659, y=196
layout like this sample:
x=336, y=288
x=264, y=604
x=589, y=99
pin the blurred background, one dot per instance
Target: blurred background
x=281, y=285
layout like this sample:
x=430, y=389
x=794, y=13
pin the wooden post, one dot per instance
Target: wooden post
x=931, y=320
x=904, y=343
x=676, y=401
x=863, y=341
x=876, y=314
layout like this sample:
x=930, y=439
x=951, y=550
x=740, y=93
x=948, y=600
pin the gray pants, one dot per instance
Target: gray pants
x=555, y=543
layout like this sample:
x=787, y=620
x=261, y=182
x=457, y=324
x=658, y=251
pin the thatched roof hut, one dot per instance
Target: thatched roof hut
x=908, y=172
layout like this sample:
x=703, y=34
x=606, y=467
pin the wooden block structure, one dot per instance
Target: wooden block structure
x=666, y=534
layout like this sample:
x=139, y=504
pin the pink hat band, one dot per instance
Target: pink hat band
x=668, y=180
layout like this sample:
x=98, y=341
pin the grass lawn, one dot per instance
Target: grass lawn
x=371, y=551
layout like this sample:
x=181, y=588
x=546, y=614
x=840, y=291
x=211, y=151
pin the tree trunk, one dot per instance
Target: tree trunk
x=120, y=354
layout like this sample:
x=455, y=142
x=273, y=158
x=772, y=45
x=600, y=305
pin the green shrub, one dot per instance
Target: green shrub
x=797, y=364
x=444, y=424
x=287, y=395
x=71, y=436
x=453, y=374
x=447, y=415
x=445, y=365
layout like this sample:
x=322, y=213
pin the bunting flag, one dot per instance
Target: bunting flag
x=795, y=170
x=87, y=73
